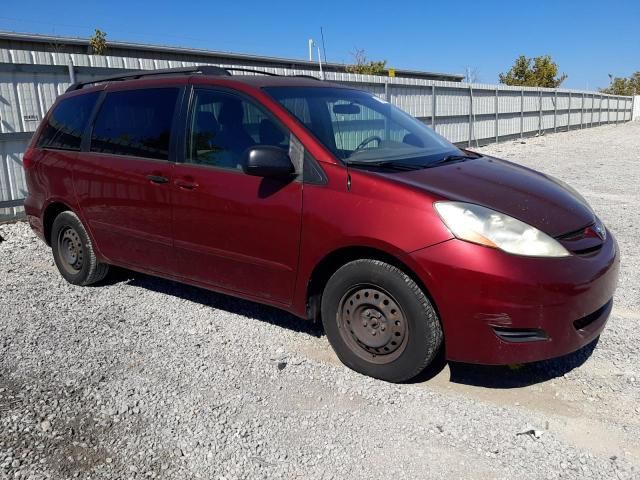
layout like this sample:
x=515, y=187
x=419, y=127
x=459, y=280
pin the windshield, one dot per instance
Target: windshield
x=360, y=128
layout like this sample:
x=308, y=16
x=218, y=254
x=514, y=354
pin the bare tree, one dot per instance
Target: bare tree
x=365, y=66
x=472, y=75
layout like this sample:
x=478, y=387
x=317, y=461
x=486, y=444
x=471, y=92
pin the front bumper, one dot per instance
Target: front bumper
x=498, y=308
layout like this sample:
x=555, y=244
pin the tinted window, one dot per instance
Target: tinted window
x=67, y=122
x=135, y=122
x=223, y=126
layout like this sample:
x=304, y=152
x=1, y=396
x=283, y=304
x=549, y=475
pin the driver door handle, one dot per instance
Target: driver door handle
x=157, y=178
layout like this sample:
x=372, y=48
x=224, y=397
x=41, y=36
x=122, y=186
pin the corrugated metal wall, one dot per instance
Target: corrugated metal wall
x=469, y=114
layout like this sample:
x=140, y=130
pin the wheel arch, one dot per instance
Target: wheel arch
x=50, y=213
x=331, y=262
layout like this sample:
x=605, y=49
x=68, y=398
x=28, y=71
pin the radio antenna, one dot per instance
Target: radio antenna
x=324, y=49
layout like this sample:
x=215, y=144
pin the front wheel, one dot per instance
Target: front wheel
x=379, y=321
x=73, y=251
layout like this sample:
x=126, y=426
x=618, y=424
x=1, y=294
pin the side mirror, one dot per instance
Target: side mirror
x=268, y=161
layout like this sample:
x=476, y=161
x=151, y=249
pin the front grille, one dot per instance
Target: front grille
x=584, y=322
x=582, y=242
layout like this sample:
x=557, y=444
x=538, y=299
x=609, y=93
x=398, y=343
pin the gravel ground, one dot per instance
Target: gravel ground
x=142, y=377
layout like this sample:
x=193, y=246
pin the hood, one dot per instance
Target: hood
x=506, y=187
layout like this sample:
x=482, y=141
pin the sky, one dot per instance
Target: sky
x=588, y=39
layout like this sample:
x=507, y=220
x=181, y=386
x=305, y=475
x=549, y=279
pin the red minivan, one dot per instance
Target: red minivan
x=324, y=201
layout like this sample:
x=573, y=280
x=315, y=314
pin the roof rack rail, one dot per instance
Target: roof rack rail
x=250, y=70
x=204, y=69
x=305, y=76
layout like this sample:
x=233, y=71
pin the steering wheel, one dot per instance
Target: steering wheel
x=367, y=141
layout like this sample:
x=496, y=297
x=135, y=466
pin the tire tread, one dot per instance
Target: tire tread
x=96, y=270
x=433, y=335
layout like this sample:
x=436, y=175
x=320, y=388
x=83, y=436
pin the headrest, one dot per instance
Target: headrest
x=270, y=133
x=206, y=122
x=231, y=112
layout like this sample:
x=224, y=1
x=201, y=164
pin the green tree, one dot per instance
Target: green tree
x=533, y=72
x=365, y=66
x=624, y=86
x=98, y=42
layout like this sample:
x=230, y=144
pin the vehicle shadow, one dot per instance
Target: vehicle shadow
x=215, y=300
x=507, y=376
x=496, y=377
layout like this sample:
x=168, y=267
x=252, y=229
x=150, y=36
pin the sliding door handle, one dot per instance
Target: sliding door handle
x=157, y=179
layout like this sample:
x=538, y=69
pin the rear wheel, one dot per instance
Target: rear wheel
x=73, y=251
x=379, y=321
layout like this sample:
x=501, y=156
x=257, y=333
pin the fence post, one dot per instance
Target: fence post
x=608, y=109
x=569, y=114
x=540, y=114
x=593, y=108
x=600, y=111
x=497, y=122
x=582, y=112
x=470, y=114
x=555, y=112
x=387, y=95
x=433, y=107
x=72, y=71
x=617, y=110
x=522, y=113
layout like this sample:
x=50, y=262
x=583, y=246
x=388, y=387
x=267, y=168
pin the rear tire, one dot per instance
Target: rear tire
x=73, y=252
x=379, y=321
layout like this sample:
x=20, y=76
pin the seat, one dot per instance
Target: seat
x=233, y=136
x=205, y=130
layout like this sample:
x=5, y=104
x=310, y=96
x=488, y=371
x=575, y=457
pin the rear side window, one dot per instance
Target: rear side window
x=135, y=122
x=66, y=123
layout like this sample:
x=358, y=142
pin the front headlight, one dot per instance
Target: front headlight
x=483, y=226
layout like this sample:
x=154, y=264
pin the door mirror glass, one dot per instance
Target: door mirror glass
x=268, y=161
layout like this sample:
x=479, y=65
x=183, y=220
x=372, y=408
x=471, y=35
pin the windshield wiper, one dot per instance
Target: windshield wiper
x=390, y=164
x=455, y=158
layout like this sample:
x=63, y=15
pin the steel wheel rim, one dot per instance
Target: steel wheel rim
x=70, y=249
x=373, y=324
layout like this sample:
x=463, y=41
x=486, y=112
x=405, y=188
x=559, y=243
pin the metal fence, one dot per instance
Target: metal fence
x=466, y=114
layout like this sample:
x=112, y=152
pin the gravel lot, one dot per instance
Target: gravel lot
x=142, y=377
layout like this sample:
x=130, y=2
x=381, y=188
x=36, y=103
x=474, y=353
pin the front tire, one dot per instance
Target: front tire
x=73, y=252
x=379, y=321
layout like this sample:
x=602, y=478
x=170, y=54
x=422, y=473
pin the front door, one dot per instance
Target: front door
x=123, y=182
x=234, y=231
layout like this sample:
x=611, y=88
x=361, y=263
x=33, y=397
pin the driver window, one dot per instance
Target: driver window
x=223, y=126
